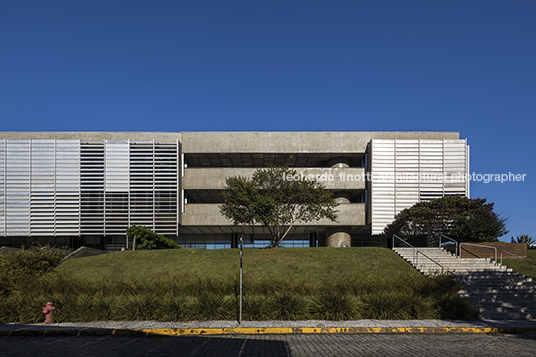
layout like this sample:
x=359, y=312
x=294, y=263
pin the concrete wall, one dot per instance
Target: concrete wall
x=214, y=178
x=294, y=142
x=91, y=136
x=350, y=214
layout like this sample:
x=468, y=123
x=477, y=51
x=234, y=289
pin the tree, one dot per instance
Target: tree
x=459, y=217
x=144, y=238
x=278, y=198
x=524, y=238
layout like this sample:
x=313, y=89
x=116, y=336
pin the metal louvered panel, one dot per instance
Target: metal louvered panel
x=2, y=187
x=43, y=187
x=431, y=169
x=455, y=167
x=116, y=187
x=166, y=187
x=424, y=169
x=67, y=208
x=141, y=184
x=407, y=173
x=154, y=169
x=92, y=188
x=116, y=175
x=383, y=183
x=72, y=188
x=17, y=188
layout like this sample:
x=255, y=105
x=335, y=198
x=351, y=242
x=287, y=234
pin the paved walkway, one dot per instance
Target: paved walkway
x=514, y=338
x=456, y=345
x=271, y=327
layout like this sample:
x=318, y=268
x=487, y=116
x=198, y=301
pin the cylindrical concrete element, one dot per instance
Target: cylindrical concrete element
x=338, y=237
x=339, y=162
x=342, y=197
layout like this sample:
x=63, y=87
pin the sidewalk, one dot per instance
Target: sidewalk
x=193, y=328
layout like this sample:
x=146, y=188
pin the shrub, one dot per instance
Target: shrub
x=135, y=307
x=144, y=238
x=171, y=309
x=397, y=306
x=210, y=307
x=453, y=306
x=334, y=306
x=20, y=268
x=286, y=306
x=255, y=307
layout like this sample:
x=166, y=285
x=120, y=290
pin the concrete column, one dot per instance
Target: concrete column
x=337, y=237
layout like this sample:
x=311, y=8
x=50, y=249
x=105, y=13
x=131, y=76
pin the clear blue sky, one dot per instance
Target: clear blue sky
x=463, y=66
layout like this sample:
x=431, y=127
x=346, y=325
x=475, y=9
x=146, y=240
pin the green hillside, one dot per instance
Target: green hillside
x=527, y=269
x=190, y=284
x=363, y=266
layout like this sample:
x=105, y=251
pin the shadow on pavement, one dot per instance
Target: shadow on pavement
x=140, y=345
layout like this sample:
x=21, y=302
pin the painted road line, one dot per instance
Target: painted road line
x=266, y=331
x=327, y=330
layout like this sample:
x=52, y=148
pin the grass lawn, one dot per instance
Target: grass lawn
x=522, y=267
x=194, y=284
x=310, y=268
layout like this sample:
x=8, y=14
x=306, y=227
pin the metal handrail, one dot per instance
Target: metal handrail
x=417, y=264
x=452, y=240
x=471, y=285
x=517, y=256
x=479, y=245
x=394, y=235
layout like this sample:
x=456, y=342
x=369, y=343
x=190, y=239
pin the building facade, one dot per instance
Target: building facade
x=87, y=188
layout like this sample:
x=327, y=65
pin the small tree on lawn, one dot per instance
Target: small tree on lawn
x=278, y=199
x=144, y=238
x=459, y=217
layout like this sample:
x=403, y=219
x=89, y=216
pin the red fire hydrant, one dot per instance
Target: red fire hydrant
x=47, y=310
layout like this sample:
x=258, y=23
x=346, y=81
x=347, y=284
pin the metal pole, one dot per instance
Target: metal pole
x=241, y=254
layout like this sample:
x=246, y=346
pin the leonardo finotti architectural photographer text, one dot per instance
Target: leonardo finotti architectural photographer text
x=406, y=177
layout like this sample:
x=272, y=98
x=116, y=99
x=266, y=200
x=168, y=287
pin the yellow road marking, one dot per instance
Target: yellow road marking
x=323, y=330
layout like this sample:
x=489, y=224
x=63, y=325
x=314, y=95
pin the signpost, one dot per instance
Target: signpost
x=241, y=254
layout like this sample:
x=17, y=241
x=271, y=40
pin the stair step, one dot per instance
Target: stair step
x=507, y=304
x=502, y=309
x=504, y=294
x=507, y=316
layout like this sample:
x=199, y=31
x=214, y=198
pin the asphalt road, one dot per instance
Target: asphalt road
x=448, y=344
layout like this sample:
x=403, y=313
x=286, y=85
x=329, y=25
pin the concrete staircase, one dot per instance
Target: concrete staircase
x=504, y=294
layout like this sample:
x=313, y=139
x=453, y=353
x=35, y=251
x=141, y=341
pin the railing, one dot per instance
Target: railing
x=395, y=236
x=504, y=251
x=479, y=245
x=471, y=285
x=452, y=240
x=417, y=264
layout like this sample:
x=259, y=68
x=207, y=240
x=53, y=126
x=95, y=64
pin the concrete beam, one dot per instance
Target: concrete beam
x=346, y=178
x=351, y=214
x=91, y=136
x=294, y=142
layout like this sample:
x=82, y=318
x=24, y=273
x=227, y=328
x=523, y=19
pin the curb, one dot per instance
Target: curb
x=266, y=331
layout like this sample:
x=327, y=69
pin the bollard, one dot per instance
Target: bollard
x=47, y=310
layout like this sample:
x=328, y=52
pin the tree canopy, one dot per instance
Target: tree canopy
x=278, y=198
x=144, y=238
x=461, y=218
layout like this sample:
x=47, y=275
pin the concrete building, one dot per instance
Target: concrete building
x=86, y=188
